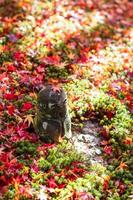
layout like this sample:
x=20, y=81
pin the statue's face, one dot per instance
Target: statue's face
x=52, y=102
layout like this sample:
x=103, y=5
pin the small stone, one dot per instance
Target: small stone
x=85, y=131
x=92, y=144
x=98, y=151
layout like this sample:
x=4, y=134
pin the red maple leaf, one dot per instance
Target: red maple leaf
x=105, y=185
x=110, y=114
x=106, y=182
x=54, y=59
x=11, y=68
x=35, y=167
x=3, y=180
x=10, y=130
x=10, y=96
x=43, y=148
x=83, y=59
x=62, y=185
x=3, y=76
x=51, y=183
x=18, y=56
x=122, y=188
x=1, y=107
x=26, y=106
x=11, y=109
x=104, y=133
x=82, y=4
x=129, y=97
x=107, y=150
x=40, y=69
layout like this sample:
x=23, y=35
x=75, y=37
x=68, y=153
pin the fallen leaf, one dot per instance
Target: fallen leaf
x=26, y=106
x=1, y=150
x=11, y=109
x=56, y=88
x=51, y=183
x=28, y=119
x=104, y=142
x=122, y=165
x=128, y=141
x=107, y=150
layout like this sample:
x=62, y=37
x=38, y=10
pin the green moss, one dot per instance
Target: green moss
x=63, y=155
x=25, y=147
x=57, y=72
x=91, y=183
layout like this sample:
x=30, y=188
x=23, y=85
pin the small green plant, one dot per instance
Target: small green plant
x=4, y=57
x=78, y=96
x=57, y=72
x=91, y=183
x=25, y=147
x=121, y=122
x=60, y=156
x=43, y=164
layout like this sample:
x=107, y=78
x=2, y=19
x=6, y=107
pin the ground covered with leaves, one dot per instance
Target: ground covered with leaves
x=85, y=46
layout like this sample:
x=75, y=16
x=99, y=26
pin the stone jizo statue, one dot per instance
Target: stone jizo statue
x=52, y=120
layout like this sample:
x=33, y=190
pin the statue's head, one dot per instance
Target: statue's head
x=52, y=101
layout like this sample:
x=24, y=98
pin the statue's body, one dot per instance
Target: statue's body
x=52, y=120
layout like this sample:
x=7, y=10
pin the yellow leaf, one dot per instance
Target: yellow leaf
x=33, y=94
x=71, y=55
x=16, y=186
x=60, y=139
x=107, y=178
x=62, y=64
x=28, y=119
x=18, y=118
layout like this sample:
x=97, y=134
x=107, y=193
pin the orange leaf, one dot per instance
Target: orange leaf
x=107, y=178
x=122, y=165
x=128, y=141
x=104, y=142
x=53, y=81
x=16, y=186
